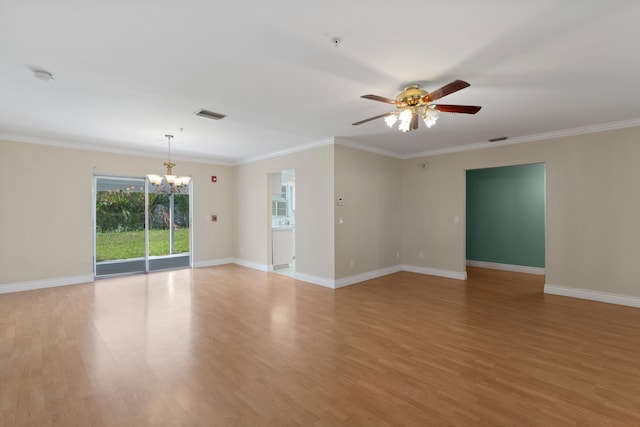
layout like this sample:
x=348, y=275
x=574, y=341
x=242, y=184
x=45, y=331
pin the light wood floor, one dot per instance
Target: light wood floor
x=228, y=346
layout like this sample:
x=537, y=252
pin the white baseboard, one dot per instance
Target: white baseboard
x=47, y=283
x=309, y=278
x=249, y=264
x=315, y=280
x=351, y=280
x=213, y=262
x=507, y=267
x=449, y=274
x=610, y=298
x=346, y=281
x=605, y=297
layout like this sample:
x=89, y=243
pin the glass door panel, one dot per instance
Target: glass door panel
x=119, y=226
x=169, y=231
x=182, y=230
x=159, y=224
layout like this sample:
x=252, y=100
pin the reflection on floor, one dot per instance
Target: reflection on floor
x=286, y=271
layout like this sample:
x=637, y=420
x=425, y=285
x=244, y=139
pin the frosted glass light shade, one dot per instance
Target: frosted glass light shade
x=430, y=116
x=154, y=179
x=391, y=120
x=183, y=180
x=405, y=118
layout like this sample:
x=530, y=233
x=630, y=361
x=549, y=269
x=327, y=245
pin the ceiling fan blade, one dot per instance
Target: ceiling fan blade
x=464, y=109
x=371, y=118
x=445, y=90
x=379, y=98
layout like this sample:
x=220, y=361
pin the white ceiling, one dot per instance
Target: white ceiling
x=128, y=72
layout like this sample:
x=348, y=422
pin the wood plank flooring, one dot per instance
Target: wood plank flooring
x=230, y=346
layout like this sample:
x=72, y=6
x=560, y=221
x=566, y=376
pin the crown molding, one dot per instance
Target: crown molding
x=296, y=149
x=364, y=147
x=529, y=138
x=198, y=158
x=190, y=157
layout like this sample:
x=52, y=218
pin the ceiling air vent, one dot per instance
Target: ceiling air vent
x=209, y=114
x=501, y=138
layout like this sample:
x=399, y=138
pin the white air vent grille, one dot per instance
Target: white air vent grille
x=209, y=114
x=502, y=138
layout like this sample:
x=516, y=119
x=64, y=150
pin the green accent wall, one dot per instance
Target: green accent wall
x=505, y=215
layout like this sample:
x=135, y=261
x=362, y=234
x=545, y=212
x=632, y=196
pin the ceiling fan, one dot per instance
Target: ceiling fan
x=414, y=103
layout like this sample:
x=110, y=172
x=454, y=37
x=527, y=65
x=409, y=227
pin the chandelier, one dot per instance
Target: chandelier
x=411, y=105
x=169, y=183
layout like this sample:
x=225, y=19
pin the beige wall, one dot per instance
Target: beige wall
x=314, y=210
x=593, y=208
x=46, y=208
x=369, y=237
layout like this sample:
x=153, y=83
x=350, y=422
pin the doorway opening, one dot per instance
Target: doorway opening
x=282, y=205
x=137, y=230
x=505, y=218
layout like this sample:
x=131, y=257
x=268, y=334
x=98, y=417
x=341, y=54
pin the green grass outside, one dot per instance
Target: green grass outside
x=130, y=244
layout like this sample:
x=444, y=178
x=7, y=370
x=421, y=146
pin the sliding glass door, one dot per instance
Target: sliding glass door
x=138, y=229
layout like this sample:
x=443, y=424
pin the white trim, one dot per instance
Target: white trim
x=358, y=278
x=607, y=297
x=295, y=149
x=350, y=280
x=363, y=147
x=506, y=267
x=529, y=138
x=315, y=280
x=449, y=274
x=47, y=283
x=249, y=264
x=200, y=158
x=116, y=149
x=213, y=262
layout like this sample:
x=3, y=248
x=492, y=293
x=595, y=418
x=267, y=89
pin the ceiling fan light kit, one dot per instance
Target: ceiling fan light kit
x=414, y=103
